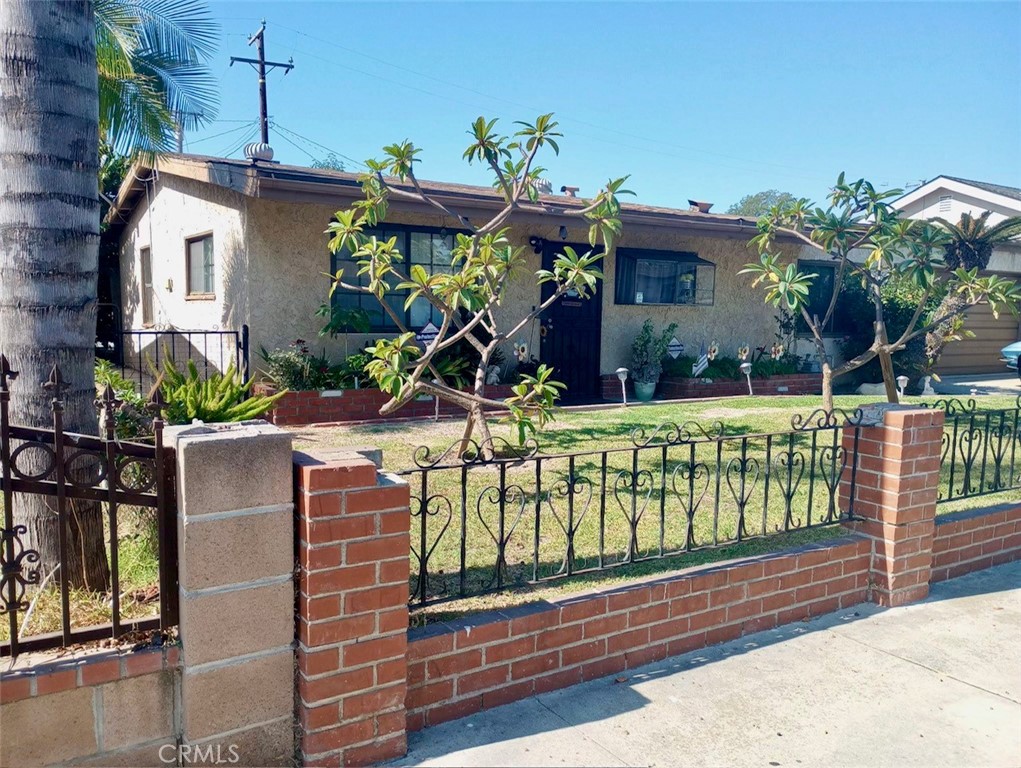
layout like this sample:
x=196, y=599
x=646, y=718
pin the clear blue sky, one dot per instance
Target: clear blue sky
x=694, y=100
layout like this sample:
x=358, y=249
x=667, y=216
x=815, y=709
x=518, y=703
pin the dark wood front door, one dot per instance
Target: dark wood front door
x=570, y=333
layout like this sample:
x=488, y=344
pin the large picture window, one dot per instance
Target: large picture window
x=663, y=277
x=428, y=246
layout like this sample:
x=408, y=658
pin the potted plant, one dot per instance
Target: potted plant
x=647, y=353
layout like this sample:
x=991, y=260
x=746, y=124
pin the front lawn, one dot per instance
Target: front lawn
x=468, y=514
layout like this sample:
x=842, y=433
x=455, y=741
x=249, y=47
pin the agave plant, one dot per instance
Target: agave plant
x=219, y=398
x=972, y=242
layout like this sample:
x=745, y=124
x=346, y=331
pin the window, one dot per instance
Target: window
x=663, y=277
x=944, y=203
x=146, y=257
x=819, y=295
x=199, y=255
x=428, y=246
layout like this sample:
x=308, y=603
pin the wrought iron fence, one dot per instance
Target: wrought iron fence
x=981, y=451
x=492, y=517
x=137, y=352
x=76, y=478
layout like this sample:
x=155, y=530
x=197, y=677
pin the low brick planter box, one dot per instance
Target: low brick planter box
x=680, y=389
x=314, y=407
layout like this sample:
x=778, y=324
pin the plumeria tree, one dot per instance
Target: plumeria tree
x=484, y=260
x=866, y=239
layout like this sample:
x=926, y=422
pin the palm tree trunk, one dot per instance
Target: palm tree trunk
x=49, y=242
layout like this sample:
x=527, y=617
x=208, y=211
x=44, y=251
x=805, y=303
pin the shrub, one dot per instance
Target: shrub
x=220, y=398
x=131, y=417
x=297, y=368
x=900, y=301
x=648, y=351
x=765, y=367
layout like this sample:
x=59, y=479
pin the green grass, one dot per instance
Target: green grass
x=463, y=502
x=138, y=565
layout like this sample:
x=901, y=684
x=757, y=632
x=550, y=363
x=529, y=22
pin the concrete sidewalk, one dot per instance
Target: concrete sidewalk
x=933, y=684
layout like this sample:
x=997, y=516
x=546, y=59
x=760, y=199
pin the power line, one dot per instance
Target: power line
x=235, y=146
x=321, y=146
x=562, y=116
x=294, y=144
x=247, y=123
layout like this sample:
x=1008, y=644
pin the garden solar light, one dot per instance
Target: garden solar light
x=902, y=383
x=746, y=369
x=622, y=375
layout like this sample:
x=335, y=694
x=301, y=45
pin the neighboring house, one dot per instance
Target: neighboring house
x=214, y=243
x=948, y=197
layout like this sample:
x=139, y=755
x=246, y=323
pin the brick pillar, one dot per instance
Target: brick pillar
x=895, y=495
x=353, y=526
x=235, y=524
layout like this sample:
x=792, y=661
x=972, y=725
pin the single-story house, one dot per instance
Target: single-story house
x=948, y=197
x=207, y=242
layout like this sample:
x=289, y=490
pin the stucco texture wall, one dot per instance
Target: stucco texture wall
x=738, y=314
x=178, y=209
x=271, y=257
x=288, y=256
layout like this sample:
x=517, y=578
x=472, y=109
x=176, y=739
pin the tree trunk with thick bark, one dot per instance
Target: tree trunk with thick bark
x=49, y=244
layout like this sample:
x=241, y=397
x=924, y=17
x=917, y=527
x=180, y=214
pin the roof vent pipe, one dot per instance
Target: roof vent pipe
x=570, y=191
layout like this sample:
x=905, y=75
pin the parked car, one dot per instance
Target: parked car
x=1012, y=356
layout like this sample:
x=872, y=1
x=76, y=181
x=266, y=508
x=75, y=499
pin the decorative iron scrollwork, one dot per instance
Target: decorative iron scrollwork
x=671, y=433
x=472, y=452
x=952, y=406
x=15, y=575
x=820, y=419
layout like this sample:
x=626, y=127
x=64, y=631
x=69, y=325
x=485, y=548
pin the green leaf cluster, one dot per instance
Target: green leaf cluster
x=648, y=351
x=217, y=399
x=533, y=403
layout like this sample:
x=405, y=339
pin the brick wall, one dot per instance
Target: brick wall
x=970, y=541
x=353, y=530
x=681, y=389
x=458, y=668
x=296, y=408
x=107, y=708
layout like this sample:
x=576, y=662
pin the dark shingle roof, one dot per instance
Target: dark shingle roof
x=997, y=189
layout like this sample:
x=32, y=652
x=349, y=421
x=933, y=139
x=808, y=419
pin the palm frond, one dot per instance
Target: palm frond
x=152, y=71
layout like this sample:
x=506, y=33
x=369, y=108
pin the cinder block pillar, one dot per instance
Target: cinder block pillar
x=896, y=480
x=353, y=526
x=235, y=527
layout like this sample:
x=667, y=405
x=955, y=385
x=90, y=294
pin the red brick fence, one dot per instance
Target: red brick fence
x=322, y=669
x=364, y=682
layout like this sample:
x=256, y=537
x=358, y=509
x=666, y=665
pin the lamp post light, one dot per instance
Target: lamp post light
x=622, y=375
x=902, y=384
x=746, y=369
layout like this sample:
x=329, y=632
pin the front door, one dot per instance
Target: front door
x=570, y=334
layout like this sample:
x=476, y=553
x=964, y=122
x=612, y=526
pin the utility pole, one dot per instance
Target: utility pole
x=179, y=118
x=260, y=65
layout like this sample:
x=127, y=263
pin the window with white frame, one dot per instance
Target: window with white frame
x=199, y=257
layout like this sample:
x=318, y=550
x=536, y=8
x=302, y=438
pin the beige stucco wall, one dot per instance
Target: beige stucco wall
x=288, y=254
x=271, y=258
x=178, y=209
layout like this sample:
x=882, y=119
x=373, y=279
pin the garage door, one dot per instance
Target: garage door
x=982, y=353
